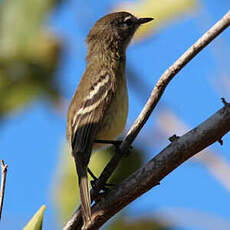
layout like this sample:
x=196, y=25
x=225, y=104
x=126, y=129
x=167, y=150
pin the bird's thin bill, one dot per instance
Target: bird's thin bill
x=144, y=20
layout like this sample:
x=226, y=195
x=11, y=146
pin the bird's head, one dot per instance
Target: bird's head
x=116, y=27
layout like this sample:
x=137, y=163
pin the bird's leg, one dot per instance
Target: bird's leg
x=116, y=144
x=95, y=179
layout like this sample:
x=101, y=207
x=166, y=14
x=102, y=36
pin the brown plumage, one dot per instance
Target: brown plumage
x=99, y=107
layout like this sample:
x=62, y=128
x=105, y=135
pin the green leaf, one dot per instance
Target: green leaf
x=36, y=222
x=29, y=55
x=145, y=223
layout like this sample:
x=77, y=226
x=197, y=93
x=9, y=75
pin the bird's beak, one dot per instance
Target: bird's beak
x=144, y=20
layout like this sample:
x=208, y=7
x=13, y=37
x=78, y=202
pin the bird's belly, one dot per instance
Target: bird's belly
x=114, y=123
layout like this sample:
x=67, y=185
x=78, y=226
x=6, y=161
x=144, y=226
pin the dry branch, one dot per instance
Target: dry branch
x=150, y=175
x=3, y=183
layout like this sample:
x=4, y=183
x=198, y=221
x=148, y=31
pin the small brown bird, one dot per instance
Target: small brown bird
x=99, y=107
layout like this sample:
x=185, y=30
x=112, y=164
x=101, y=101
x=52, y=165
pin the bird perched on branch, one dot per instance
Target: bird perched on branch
x=99, y=107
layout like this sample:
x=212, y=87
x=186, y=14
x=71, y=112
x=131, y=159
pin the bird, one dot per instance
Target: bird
x=99, y=106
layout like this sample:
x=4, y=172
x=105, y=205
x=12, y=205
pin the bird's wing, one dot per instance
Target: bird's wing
x=88, y=117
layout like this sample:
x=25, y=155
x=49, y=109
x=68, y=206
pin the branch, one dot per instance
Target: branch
x=3, y=182
x=156, y=94
x=147, y=177
x=168, y=75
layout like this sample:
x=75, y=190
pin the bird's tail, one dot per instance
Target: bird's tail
x=84, y=191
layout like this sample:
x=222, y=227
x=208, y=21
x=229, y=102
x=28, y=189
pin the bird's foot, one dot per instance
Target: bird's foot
x=94, y=182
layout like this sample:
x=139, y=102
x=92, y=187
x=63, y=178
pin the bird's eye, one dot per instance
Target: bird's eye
x=128, y=21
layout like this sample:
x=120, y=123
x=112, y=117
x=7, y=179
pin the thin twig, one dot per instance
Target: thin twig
x=156, y=94
x=3, y=183
x=169, y=74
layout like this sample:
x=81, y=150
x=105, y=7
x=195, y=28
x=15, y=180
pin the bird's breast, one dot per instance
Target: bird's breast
x=114, y=121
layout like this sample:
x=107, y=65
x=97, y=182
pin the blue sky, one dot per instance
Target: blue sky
x=31, y=141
